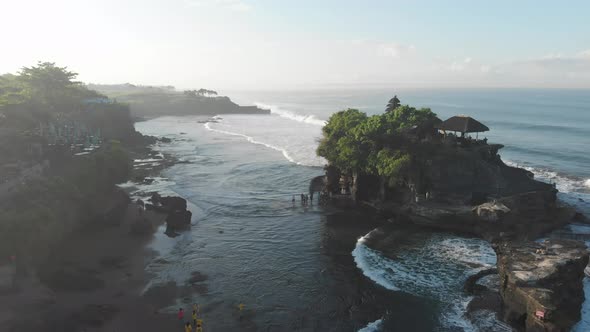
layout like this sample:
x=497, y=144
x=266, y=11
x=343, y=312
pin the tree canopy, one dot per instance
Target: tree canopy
x=378, y=144
x=39, y=91
x=200, y=93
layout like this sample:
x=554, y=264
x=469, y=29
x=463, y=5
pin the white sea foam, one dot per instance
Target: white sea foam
x=571, y=190
x=150, y=160
x=563, y=183
x=372, y=326
x=433, y=267
x=253, y=141
x=372, y=264
x=310, y=119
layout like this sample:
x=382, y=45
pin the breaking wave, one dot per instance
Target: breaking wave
x=310, y=119
x=372, y=327
x=433, y=266
x=253, y=141
x=573, y=191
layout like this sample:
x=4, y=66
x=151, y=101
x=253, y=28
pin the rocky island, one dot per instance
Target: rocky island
x=414, y=168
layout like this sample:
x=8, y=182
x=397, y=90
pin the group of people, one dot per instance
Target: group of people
x=304, y=199
x=196, y=321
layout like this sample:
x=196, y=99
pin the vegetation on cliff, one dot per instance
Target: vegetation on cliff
x=40, y=212
x=355, y=142
x=400, y=156
x=47, y=187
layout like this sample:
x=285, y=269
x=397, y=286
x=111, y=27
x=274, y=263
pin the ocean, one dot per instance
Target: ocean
x=309, y=267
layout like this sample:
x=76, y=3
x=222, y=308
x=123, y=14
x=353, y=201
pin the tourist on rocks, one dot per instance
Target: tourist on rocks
x=194, y=317
x=188, y=327
x=180, y=314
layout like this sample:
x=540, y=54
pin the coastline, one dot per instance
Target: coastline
x=164, y=295
x=96, y=277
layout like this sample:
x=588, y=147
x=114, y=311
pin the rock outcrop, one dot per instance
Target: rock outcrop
x=541, y=283
x=175, y=207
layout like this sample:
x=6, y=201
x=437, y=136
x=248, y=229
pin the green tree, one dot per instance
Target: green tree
x=380, y=144
x=338, y=144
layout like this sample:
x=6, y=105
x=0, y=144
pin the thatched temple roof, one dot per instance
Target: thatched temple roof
x=463, y=124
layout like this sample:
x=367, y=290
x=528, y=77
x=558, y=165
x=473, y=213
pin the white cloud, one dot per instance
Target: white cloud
x=394, y=50
x=456, y=66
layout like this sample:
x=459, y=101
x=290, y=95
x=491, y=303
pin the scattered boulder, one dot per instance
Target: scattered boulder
x=178, y=216
x=179, y=219
x=173, y=203
x=197, y=277
x=541, y=284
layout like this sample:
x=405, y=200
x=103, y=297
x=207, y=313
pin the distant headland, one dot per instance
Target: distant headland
x=154, y=101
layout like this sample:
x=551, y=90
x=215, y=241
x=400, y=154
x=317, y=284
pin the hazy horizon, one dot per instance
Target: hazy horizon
x=258, y=44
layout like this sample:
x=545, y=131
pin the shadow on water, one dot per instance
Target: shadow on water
x=354, y=299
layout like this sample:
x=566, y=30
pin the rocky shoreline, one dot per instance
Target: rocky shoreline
x=95, y=279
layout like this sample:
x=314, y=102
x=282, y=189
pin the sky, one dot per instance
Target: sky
x=276, y=44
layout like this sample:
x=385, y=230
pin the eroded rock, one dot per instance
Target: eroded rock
x=542, y=279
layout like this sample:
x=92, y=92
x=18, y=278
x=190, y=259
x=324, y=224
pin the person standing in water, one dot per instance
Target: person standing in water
x=180, y=314
x=199, y=325
x=196, y=308
x=241, y=309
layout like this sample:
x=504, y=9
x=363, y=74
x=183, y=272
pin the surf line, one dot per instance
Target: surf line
x=253, y=141
x=309, y=119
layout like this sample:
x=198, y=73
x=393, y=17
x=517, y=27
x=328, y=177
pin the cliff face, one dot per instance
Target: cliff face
x=541, y=283
x=465, y=189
